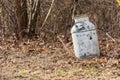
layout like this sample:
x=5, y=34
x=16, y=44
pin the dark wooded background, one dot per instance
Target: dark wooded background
x=24, y=19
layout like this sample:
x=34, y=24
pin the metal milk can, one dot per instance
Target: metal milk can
x=84, y=37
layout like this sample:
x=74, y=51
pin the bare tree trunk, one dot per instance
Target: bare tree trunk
x=22, y=17
x=34, y=11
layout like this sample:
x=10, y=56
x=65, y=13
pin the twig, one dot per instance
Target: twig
x=73, y=12
x=110, y=37
x=64, y=45
x=48, y=14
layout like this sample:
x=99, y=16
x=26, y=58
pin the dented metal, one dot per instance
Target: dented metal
x=84, y=36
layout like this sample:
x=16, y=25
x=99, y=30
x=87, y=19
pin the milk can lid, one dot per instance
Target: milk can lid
x=81, y=18
x=82, y=23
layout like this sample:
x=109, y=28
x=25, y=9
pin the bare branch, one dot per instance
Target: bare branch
x=110, y=37
x=48, y=14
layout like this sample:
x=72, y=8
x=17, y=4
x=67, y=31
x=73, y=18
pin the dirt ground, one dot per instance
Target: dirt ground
x=33, y=60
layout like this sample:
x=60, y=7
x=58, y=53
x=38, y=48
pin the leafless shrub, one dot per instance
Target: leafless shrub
x=104, y=13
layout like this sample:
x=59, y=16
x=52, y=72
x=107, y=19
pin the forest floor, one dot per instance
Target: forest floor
x=33, y=60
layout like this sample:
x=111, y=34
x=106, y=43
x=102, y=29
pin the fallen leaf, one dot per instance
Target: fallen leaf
x=23, y=72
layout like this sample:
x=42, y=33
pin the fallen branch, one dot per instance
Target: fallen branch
x=64, y=45
x=110, y=37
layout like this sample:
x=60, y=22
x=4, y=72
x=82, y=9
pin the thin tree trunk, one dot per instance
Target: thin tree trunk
x=33, y=19
x=22, y=17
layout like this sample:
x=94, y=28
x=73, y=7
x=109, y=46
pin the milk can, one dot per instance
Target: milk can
x=84, y=37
